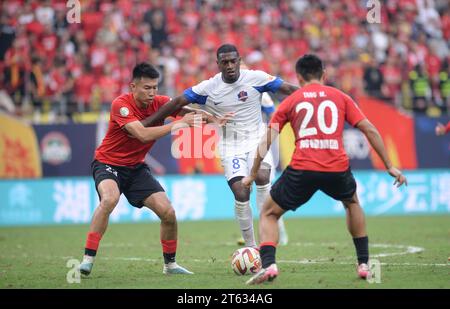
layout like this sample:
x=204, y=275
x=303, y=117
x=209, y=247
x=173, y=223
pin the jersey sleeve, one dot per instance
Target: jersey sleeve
x=264, y=82
x=281, y=115
x=353, y=113
x=267, y=105
x=121, y=113
x=198, y=93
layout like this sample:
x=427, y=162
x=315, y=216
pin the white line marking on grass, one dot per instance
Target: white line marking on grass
x=409, y=250
x=321, y=260
x=304, y=261
x=349, y=263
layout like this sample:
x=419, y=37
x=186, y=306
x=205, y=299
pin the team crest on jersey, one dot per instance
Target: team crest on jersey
x=242, y=96
x=124, y=111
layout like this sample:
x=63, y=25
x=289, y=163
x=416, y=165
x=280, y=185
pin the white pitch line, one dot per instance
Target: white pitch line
x=322, y=260
x=407, y=249
x=304, y=261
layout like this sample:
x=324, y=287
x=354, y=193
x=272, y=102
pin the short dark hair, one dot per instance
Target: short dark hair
x=309, y=67
x=226, y=48
x=145, y=69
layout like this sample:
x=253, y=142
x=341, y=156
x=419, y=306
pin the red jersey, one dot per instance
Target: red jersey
x=317, y=114
x=118, y=148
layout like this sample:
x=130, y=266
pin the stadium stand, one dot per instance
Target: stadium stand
x=54, y=71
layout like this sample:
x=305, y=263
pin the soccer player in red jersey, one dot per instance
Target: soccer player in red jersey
x=119, y=166
x=317, y=114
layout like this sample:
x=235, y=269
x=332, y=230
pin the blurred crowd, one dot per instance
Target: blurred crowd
x=59, y=68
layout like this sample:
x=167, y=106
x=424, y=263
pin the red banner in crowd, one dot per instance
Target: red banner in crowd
x=397, y=131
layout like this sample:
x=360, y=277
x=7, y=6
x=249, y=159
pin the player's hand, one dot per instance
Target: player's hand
x=399, y=177
x=222, y=120
x=440, y=129
x=192, y=119
x=205, y=115
x=248, y=180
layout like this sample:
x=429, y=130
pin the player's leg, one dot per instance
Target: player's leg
x=144, y=190
x=109, y=194
x=159, y=203
x=291, y=190
x=356, y=222
x=356, y=225
x=268, y=231
x=235, y=169
x=243, y=210
x=342, y=186
x=263, y=187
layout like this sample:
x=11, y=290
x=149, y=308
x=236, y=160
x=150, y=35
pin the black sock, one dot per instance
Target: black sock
x=267, y=253
x=169, y=257
x=362, y=249
x=90, y=252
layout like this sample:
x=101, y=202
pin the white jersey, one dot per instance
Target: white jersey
x=243, y=97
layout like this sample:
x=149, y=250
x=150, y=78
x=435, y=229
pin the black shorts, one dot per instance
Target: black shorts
x=295, y=187
x=136, y=183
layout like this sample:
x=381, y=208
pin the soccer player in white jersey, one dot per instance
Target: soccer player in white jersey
x=237, y=91
x=267, y=109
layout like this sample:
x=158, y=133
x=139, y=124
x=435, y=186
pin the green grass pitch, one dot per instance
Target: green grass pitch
x=413, y=252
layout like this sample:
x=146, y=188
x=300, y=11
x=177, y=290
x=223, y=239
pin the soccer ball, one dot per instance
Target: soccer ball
x=246, y=261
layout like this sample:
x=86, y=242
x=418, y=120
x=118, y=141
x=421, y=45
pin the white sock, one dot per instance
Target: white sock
x=262, y=193
x=88, y=259
x=171, y=265
x=243, y=213
x=282, y=233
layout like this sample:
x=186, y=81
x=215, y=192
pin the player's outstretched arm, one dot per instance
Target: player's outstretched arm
x=375, y=140
x=287, y=88
x=188, y=109
x=206, y=116
x=165, y=111
x=263, y=148
x=146, y=135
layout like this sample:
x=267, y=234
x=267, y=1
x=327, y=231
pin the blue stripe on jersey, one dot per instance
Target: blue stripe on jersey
x=268, y=109
x=192, y=97
x=272, y=86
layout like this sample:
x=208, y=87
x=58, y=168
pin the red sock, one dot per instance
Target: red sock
x=169, y=248
x=92, y=242
x=268, y=243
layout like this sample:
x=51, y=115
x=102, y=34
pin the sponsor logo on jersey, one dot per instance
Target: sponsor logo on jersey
x=242, y=96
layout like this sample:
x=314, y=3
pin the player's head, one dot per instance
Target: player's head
x=309, y=67
x=144, y=85
x=228, y=60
